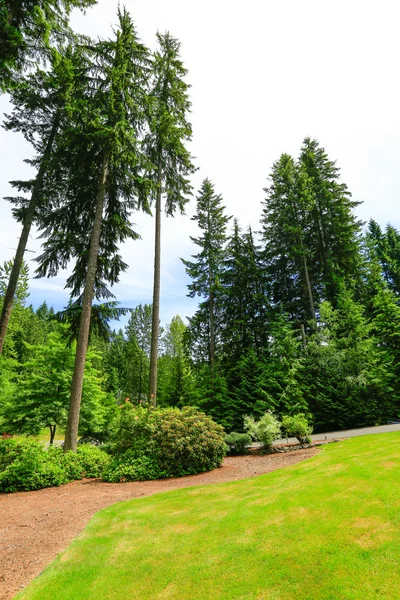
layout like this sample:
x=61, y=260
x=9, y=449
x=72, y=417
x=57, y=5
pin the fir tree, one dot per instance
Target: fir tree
x=104, y=184
x=28, y=32
x=206, y=269
x=165, y=147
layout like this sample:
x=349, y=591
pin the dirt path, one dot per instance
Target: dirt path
x=36, y=526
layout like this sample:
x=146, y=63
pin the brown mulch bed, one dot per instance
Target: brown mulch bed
x=36, y=526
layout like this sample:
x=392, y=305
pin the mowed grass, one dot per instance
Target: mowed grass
x=327, y=528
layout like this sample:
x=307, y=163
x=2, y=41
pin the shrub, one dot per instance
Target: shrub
x=297, y=426
x=266, y=430
x=180, y=442
x=135, y=429
x=93, y=460
x=186, y=441
x=238, y=442
x=130, y=467
x=26, y=465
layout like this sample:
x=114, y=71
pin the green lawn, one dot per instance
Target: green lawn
x=328, y=528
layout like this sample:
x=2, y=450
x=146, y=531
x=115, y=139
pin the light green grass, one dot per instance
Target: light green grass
x=327, y=528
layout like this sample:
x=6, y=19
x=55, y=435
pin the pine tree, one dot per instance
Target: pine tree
x=205, y=271
x=384, y=247
x=165, y=147
x=40, y=111
x=29, y=31
x=243, y=298
x=138, y=336
x=334, y=231
x=288, y=253
x=104, y=184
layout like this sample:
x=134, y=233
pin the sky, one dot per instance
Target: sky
x=264, y=74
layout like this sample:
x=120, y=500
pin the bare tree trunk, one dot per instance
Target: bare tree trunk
x=28, y=220
x=71, y=433
x=52, y=433
x=309, y=290
x=155, y=323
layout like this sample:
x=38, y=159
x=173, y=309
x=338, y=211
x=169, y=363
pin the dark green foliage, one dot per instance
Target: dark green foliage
x=28, y=30
x=238, y=443
x=205, y=271
x=131, y=467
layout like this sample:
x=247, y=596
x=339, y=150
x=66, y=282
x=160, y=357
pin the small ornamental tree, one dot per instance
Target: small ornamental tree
x=297, y=426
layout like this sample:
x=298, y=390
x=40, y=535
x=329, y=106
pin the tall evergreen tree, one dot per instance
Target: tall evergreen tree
x=40, y=111
x=29, y=30
x=206, y=269
x=288, y=253
x=244, y=298
x=334, y=233
x=105, y=183
x=165, y=146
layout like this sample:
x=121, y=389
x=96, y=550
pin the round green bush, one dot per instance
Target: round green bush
x=238, y=443
x=187, y=441
x=179, y=441
x=27, y=465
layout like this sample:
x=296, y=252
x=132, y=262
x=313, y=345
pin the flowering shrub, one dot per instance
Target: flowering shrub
x=187, y=441
x=297, y=426
x=178, y=442
x=266, y=430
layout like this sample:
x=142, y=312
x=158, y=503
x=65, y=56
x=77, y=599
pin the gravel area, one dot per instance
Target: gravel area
x=36, y=526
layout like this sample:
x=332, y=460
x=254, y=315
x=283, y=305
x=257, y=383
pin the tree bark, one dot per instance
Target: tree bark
x=155, y=324
x=211, y=319
x=52, y=433
x=28, y=220
x=71, y=434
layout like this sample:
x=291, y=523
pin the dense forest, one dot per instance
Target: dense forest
x=301, y=315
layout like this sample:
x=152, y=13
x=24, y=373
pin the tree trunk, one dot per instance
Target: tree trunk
x=28, y=220
x=155, y=324
x=309, y=290
x=52, y=433
x=211, y=319
x=71, y=434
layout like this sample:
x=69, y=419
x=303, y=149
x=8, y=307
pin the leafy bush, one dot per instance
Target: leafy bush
x=93, y=460
x=135, y=429
x=130, y=467
x=186, y=441
x=180, y=442
x=297, y=426
x=238, y=442
x=266, y=430
x=28, y=465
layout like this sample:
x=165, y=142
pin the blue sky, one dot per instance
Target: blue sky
x=264, y=75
